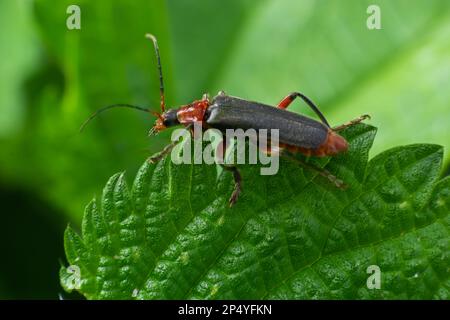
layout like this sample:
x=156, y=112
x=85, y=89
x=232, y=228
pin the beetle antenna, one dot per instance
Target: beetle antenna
x=161, y=82
x=119, y=105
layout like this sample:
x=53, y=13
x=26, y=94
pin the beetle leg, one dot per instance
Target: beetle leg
x=277, y=151
x=283, y=104
x=159, y=155
x=237, y=183
x=323, y=172
x=220, y=154
x=352, y=122
x=221, y=149
x=205, y=96
x=286, y=101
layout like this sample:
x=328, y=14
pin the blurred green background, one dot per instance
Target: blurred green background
x=52, y=78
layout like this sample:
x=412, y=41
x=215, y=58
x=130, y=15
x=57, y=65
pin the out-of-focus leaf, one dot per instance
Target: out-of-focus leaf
x=107, y=61
x=18, y=55
x=408, y=96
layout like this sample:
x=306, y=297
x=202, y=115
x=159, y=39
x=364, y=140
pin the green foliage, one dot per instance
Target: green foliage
x=258, y=51
x=291, y=235
x=53, y=78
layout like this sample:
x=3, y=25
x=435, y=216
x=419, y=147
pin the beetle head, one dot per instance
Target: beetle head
x=165, y=120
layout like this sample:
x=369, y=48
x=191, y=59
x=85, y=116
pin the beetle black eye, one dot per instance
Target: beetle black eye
x=170, y=118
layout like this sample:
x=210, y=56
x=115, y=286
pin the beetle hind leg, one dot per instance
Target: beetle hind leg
x=351, y=122
x=323, y=172
x=283, y=104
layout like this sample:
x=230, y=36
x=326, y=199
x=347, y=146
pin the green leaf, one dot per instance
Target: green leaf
x=291, y=235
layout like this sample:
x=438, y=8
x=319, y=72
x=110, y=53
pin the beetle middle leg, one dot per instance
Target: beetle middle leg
x=351, y=123
x=283, y=104
x=323, y=172
x=220, y=156
x=237, y=183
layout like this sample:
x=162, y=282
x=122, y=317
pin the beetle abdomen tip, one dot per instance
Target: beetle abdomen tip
x=334, y=144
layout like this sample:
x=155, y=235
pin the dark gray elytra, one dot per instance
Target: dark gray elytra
x=228, y=112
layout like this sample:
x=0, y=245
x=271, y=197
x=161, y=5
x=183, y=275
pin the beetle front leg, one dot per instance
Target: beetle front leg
x=158, y=156
x=167, y=149
x=323, y=172
x=351, y=123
